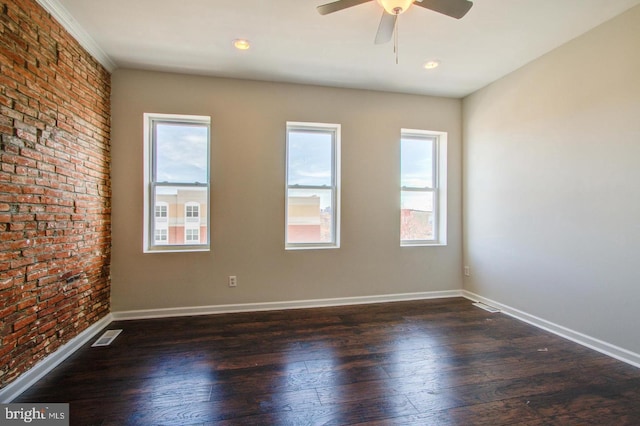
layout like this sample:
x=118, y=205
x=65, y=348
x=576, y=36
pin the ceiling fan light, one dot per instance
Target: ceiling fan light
x=433, y=63
x=241, y=44
x=395, y=7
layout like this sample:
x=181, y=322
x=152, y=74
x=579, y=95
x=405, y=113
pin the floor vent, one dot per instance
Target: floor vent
x=106, y=339
x=486, y=307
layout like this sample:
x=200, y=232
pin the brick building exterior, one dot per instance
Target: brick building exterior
x=181, y=217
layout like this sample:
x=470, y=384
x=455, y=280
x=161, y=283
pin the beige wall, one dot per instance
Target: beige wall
x=552, y=185
x=247, y=158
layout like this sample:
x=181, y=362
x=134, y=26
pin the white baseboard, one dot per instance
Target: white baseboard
x=25, y=380
x=575, y=336
x=272, y=306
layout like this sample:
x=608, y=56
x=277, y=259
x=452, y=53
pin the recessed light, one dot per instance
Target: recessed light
x=241, y=44
x=429, y=65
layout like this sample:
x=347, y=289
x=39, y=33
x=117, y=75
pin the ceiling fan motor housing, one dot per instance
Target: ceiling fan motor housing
x=395, y=7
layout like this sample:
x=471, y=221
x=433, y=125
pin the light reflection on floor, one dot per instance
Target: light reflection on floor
x=180, y=387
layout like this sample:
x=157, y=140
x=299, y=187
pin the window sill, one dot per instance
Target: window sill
x=178, y=250
x=311, y=247
x=423, y=244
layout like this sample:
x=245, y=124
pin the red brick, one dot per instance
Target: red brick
x=5, y=349
x=16, y=226
x=54, y=117
x=27, y=303
x=43, y=328
x=24, y=321
x=7, y=311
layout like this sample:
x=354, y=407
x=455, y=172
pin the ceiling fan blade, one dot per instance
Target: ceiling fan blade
x=338, y=5
x=454, y=8
x=386, y=27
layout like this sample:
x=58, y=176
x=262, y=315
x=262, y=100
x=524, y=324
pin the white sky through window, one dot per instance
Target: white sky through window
x=310, y=163
x=181, y=153
x=417, y=163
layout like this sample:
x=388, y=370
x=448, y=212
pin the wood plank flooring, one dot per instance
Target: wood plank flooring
x=433, y=362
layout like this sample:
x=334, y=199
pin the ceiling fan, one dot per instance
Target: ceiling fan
x=393, y=8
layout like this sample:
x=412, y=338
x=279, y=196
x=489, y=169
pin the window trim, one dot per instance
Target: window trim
x=439, y=186
x=335, y=130
x=150, y=184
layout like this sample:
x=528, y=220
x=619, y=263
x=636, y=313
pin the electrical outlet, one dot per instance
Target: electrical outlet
x=233, y=281
x=467, y=271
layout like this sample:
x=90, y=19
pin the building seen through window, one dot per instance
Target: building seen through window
x=176, y=182
x=312, y=213
x=184, y=221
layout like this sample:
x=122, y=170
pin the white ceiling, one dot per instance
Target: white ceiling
x=291, y=42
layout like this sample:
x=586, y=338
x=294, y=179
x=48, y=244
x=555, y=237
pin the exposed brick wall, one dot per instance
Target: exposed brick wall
x=55, y=189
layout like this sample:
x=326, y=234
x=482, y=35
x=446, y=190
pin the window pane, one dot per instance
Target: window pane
x=417, y=162
x=310, y=158
x=186, y=218
x=416, y=219
x=181, y=152
x=310, y=216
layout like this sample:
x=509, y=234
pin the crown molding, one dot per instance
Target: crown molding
x=65, y=19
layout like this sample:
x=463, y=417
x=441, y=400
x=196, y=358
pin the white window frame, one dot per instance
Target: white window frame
x=150, y=185
x=439, y=188
x=334, y=130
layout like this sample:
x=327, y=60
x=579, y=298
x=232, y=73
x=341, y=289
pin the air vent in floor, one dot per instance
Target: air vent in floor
x=486, y=307
x=106, y=338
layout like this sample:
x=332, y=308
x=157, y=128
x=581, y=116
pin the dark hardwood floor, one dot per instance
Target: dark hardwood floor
x=434, y=362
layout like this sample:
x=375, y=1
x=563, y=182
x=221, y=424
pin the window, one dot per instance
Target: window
x=192, y=222
x=161, y=236
x=161, y=211
x=192, y=235
x=161, y=223
x=423, y=195
x=176, y=182
x=192, y=210
x=313, y=186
